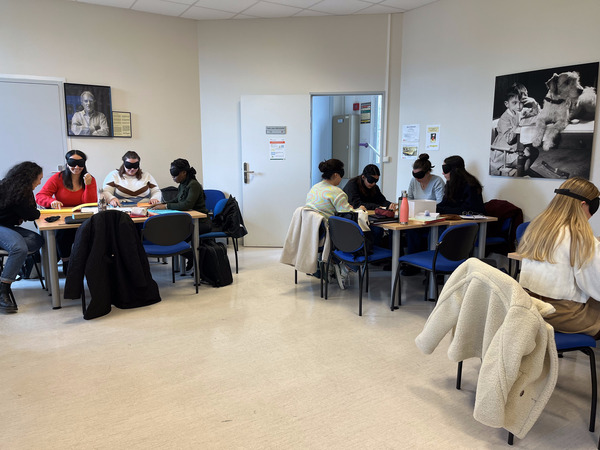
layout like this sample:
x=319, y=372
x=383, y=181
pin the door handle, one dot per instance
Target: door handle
x=247, y=173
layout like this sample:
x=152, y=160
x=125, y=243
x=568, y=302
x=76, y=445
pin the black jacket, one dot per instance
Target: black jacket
x=230, y=220
x=371, y=200
x=109, y=252
x=470, y=200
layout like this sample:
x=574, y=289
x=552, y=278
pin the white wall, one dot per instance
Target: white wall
x=150, y=62
x=283, y=56
x=453, y=50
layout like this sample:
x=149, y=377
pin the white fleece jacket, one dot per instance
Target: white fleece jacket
x=494, y=319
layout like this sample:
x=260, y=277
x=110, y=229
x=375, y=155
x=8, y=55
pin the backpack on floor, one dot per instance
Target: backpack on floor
x=214, y=264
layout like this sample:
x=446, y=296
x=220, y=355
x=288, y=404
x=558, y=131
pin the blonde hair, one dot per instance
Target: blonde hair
x=563, y=212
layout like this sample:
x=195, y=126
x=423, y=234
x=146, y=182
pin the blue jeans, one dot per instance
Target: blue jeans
x=17, y=242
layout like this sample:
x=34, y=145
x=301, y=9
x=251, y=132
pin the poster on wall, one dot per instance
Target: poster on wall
x=365, y=112
x=276, y=148
x=432, y=138
x=88, y=110
x=410, y=141
x=543, y=122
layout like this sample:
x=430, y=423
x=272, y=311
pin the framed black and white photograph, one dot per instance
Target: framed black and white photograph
x=88, y=110
x=543, y=122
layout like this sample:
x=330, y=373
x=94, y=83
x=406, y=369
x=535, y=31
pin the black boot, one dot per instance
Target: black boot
x=6, y=303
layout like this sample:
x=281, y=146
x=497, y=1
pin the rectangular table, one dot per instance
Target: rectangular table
x=396, y=228
x=49, y=260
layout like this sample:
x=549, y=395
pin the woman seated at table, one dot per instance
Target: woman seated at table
x=327, y=198
x=71, y=187
x=190, y=195
x=462, y=192
x=130, y=184
x=561, y=259
x=17, y=205
x=423, y=186
x=363, y=190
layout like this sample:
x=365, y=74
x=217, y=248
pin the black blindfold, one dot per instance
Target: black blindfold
x=593, y=203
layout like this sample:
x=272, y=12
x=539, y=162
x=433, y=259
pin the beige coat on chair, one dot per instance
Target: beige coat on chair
x=301, y=247
x=494, y=319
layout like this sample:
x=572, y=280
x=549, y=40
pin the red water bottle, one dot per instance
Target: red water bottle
x=403, y=215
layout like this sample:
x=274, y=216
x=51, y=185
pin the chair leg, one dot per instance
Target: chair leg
x=196, y=270
x=367, y=270
x=590, y=352
x=173, y=267
x=361, y=275
x=511, y=438
x=37, y=269
x=459, y=375
x=234, y=241
x=326, y=277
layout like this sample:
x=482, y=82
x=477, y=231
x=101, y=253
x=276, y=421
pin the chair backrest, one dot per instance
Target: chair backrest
x=169, y=193
x=220, y=206
x=521, y=231
x=167, y=229
x=457, y=241
x=345, y=235
x=212, y=197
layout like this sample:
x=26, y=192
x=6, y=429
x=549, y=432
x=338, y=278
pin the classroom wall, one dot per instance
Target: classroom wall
x=150, y=62
x=452, y=50
x=304, y=55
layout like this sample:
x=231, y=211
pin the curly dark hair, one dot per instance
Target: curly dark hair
x=16, y=186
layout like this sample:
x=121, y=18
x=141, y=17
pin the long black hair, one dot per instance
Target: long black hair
x=459, y=178
x=66, y=173
x=369, y=170
x=17, y=186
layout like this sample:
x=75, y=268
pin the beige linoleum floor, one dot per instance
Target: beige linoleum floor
x=260, y=364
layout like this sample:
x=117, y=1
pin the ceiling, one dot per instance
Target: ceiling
x=253, y=9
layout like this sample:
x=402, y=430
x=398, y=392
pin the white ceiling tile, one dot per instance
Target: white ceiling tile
x=340, y=7
x=406, y=4
x=311, y=13
x=270, y=10
x=296, y=3
x=380, y=9
x=235, y=6
x=206, y=14
x=160, y=7
x=116, y=3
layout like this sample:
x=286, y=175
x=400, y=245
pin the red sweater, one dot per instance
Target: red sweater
x=54, y=189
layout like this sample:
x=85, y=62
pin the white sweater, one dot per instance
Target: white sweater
x=559, y=280
x=126, y=187
x=494, y=319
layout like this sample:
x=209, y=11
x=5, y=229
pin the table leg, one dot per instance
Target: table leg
x=481, y=239
x=45, y=265
x=395, y=255
x=196, y=243
x=53, y=269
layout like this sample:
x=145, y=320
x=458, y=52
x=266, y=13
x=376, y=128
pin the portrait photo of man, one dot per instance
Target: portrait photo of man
x=88, y=110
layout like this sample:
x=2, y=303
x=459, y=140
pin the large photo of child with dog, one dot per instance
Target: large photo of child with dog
x=543, y=122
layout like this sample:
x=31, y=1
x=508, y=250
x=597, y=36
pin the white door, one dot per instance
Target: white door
x=277, y=166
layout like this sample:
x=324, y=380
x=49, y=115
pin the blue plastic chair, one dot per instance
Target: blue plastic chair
x=212, y=198
x=454, y=246
x=220, y=205
x=348, y=246
x=165, y=235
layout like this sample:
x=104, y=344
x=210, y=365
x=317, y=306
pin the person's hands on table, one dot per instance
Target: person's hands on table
x=56, y=204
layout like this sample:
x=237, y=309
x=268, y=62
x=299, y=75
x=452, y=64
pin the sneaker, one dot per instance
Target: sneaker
x=340, y=276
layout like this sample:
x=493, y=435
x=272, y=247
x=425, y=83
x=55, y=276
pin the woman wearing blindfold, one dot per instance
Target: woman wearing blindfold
x=363, y=190
x=130, y=184
x=71, y=187
x=561, y=259
x=424, y=185
x=463, y=190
